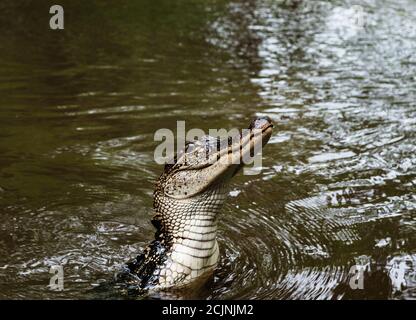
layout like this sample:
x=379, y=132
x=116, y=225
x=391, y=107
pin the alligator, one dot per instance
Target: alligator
x=187, y=199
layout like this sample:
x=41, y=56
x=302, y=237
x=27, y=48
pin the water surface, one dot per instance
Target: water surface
x=79, y=108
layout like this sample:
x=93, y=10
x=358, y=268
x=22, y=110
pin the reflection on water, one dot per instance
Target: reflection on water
x=79, y=108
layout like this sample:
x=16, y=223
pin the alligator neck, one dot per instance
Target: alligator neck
x=187, y=230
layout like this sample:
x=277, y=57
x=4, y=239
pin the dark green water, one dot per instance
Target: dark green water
x=79, y=108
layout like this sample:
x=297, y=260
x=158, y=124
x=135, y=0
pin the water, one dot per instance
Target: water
x=79, y=108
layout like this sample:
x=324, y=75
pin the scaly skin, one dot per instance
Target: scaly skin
x=187, y=199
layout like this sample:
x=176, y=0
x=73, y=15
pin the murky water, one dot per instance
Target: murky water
x=79, y=108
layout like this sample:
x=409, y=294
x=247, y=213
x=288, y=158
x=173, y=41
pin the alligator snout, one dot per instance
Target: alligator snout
x=261, y=123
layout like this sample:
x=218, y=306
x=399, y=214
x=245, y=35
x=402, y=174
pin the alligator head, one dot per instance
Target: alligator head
x=187, y=199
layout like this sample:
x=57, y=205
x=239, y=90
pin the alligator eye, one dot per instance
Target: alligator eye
x=168, y=166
